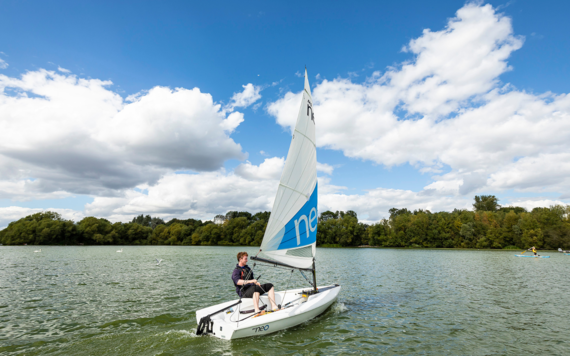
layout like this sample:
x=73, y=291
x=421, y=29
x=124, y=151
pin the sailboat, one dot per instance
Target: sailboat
x=289, y=242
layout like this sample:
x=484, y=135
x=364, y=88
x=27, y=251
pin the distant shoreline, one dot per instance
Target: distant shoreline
x=486, y=228
x=331, y=247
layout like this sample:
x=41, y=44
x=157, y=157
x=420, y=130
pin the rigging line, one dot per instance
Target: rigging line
x=307, y=137
x=306, y=278
x=286, y=289
x=287, y=268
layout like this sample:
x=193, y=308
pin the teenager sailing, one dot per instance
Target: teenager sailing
x=248, y=287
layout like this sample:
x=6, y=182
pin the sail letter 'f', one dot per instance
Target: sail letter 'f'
x=291, y=233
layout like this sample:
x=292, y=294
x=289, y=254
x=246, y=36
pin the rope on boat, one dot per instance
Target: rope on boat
x=311, y=283
x=287, y=288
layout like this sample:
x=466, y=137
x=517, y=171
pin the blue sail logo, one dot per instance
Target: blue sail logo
x=301, y=230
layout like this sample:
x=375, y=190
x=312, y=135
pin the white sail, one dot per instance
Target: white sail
x=291, y=233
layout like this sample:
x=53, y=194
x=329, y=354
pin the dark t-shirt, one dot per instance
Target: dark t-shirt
x=244, y=273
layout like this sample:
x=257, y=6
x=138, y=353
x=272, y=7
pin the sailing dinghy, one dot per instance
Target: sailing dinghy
x=289, y=242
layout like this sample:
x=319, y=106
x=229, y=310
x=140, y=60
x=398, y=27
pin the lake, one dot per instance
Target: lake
x=92, y=300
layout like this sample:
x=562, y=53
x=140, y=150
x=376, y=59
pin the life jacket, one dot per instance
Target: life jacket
x=245, y=273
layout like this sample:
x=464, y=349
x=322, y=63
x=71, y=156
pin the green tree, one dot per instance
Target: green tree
x=95, y=231
x=486, y=203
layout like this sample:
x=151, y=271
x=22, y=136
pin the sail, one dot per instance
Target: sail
x=291, y=233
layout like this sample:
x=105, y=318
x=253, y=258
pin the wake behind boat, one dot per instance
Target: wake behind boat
x=290, y=241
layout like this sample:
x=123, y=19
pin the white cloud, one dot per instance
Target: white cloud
x=375, y=204
x=286, y=109
x=199, y=196
x=232, y=122
x=3, y=64
x=63, y=70
x=325, y=168
x=13, y=213
x=61, y=133
x=446, y=108
x=530, y=204
x=248, y=96
x=271, y=168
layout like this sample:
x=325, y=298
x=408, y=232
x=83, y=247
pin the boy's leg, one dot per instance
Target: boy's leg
x=272, y=298
x=256, y=302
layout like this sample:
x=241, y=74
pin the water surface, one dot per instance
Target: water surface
x=95, y=301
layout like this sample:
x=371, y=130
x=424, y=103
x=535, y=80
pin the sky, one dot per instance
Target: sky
x=185, y=109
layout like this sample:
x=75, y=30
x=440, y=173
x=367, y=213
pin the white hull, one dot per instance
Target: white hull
x=226, y=325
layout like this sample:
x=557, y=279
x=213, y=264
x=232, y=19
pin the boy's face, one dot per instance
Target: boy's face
x=243, y=260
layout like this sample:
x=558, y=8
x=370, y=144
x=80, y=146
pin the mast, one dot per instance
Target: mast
x=314, y=277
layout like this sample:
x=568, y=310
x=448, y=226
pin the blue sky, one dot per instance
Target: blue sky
x=221, y=47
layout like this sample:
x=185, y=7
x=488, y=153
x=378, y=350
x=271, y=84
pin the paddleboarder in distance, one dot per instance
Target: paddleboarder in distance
x=248, y=287
x=533, y=250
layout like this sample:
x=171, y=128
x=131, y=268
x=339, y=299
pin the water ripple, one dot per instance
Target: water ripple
x=91, y=300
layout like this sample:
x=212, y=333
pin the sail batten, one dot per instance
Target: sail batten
x=300, y=133
x=293, y=189
x=292, y=225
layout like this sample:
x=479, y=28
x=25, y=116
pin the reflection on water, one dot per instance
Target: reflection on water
x=93, y=300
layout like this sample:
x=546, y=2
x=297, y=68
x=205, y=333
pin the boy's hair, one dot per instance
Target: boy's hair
x=241, y=254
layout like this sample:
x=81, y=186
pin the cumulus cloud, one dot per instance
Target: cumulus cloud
x=248, y=96
x=13, y=213
x=285, y=110
x=530, y=204
x=446, y=110
x=200, y=196
x=375, y=204
x=271, y=168
x=252, y=188
x=325, y=168
x=61, y=133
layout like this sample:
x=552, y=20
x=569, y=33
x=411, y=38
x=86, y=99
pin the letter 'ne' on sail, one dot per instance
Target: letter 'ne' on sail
x=291, y=233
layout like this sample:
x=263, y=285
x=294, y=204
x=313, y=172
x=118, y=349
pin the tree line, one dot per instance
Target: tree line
x=488, y=225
